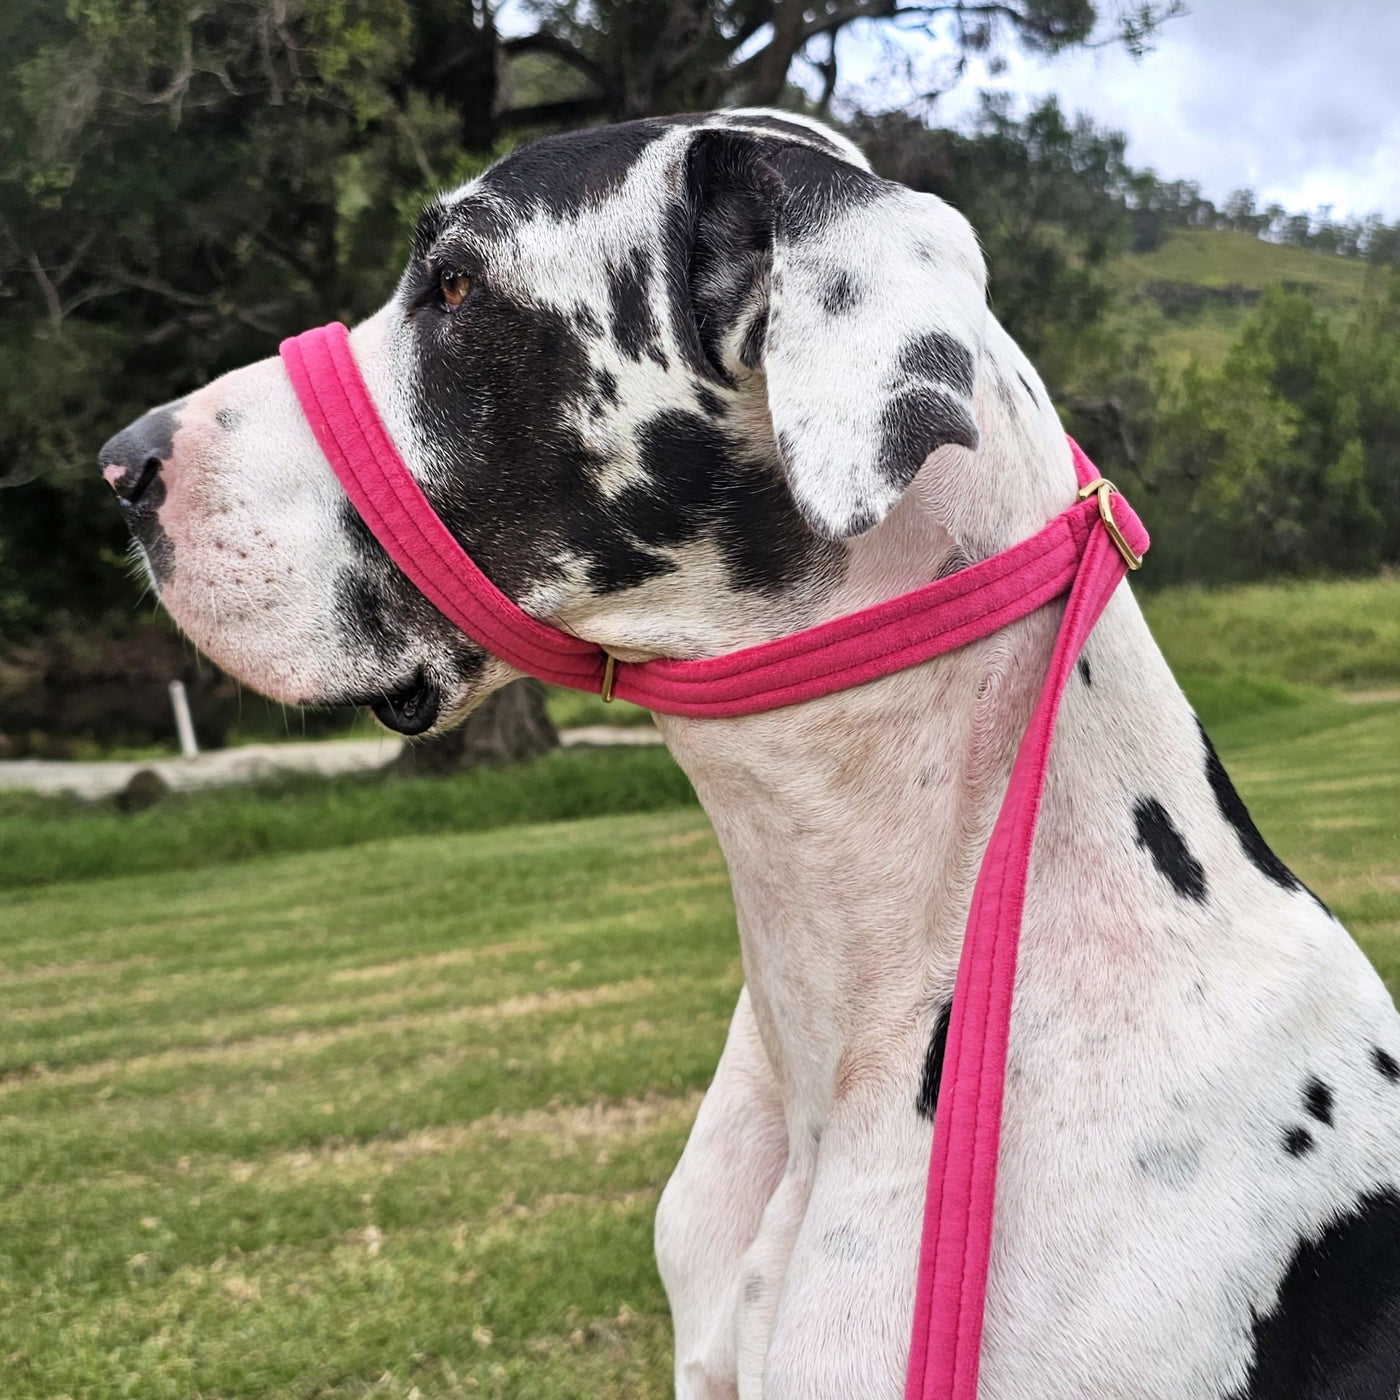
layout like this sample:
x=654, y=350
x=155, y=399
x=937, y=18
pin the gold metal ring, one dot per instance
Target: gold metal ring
x=1103, y=488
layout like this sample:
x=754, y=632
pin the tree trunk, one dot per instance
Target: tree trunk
x=509, y=726
x=455, y=59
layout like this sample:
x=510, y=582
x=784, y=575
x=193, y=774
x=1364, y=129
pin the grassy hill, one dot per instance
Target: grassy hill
x=1188, y=296
x=323, y=1090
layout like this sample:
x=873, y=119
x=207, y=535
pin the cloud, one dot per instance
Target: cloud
x=1295, y=100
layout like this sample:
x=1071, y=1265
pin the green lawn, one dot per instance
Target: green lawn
x=358, y=1121
x=388, y=1115
x=1222, y=261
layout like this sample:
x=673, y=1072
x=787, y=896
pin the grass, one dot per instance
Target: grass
x=1225, y=258
x=44, y=839
x=359, y=1089
x=1222, y=259
x=1343, y=632
x=359, y=1121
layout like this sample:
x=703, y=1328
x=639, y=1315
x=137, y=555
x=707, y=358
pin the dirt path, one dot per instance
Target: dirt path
x=253, y=762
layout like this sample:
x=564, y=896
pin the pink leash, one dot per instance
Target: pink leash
x=1069, y=553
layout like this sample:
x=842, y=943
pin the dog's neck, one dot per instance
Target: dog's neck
x=854, y=826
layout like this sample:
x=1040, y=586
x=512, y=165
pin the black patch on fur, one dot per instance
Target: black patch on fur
x=587, y=322
x=916, y=422
x=927, y=1102
x=1333, y=1332
x=702, y=485
x=727, y=254
x=814, y=188
x=468, y=659
x=1085, y=674
x=793, y=130
x=1317, y=1098
x=146, y=527
x=431, y=225
x=840, y=295
x=710, y=402
x=1157, y=834
x=499, y=386
x=1234, y=811
x=772, y=127
x=1297, y=1141
x=921, y=415
x=607, y=385
x=568, y=174
x=1386, y=1064
x=940, y=359
x=634, y=326
x=378, y=612
x=363, y=615
x=1027, y=388
x=743, y=190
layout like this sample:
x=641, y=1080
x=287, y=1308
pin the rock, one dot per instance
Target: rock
x=143, y=789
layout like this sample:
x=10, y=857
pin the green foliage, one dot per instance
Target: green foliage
x=183, y=183
x=1263, y=465
x=1372, y=353
x=44, y=839
x=180, y=186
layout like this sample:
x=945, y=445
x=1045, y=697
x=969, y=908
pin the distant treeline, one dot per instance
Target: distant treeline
x=1158, y=206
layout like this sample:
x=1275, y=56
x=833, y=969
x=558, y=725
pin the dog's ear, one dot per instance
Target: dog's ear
x=862, y=302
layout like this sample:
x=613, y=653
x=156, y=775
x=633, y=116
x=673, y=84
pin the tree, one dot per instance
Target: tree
x=641, y=57
x=1262, y=464
x=183, y=182
x=1372, y=367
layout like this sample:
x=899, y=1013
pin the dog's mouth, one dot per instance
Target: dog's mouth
x=411, y=709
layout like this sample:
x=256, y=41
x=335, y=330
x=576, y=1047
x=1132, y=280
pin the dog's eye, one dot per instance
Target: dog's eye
x=454, y=287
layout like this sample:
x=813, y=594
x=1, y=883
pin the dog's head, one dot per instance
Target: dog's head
x=652, y=377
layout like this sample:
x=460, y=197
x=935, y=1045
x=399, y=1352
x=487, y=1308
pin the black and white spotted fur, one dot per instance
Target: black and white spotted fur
x=715, y=381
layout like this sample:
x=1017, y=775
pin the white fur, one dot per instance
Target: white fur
x=1146, y=1212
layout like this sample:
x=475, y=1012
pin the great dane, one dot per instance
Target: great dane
x=684, y=385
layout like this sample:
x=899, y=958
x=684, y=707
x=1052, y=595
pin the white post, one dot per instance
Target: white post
x=184, y=722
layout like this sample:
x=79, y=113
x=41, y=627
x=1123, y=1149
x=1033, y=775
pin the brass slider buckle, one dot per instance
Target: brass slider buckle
x=1103, y=488
x=609, y=672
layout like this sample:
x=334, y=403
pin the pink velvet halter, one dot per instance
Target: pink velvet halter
x=1085, y=551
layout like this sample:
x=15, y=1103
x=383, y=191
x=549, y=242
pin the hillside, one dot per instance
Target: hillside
x=1189, y=295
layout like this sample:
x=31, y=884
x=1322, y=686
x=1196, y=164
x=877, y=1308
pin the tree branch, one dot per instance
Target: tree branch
x=50, y=292
x=545, y=42
x=1132, y=31
x=546, y=113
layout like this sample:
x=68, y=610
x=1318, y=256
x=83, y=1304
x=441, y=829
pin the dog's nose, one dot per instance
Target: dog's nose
x=131, y=462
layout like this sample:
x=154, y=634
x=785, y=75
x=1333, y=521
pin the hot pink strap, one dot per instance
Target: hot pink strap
x=946, y=1350
x=1071, y=552
x=943, y=615
x=351, y=434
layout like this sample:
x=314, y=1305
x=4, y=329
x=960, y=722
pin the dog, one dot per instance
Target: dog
x=684, y=385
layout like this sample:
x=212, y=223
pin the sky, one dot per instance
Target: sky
x=1297, y=99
